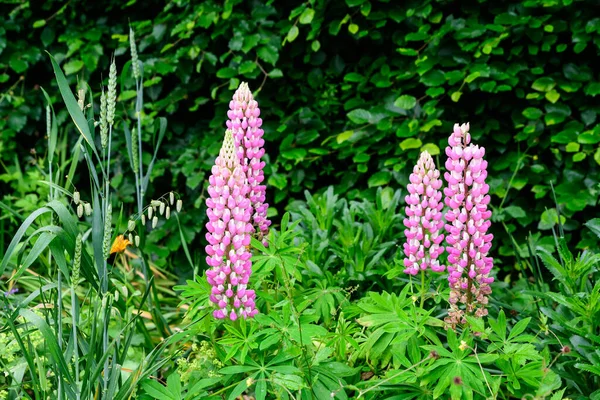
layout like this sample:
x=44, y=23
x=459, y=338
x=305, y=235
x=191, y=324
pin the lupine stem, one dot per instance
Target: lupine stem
x=422, y=287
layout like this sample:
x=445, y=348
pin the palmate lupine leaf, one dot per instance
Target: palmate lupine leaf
x=553, y=266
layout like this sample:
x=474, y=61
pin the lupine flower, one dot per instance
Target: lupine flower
x=245, y=124
x=467, y=224
x=423, y=218
x=229, y=229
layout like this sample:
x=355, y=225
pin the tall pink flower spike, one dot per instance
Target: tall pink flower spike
x=467, y=224
x=229, y=230
x=245, y=123
x=424, y=218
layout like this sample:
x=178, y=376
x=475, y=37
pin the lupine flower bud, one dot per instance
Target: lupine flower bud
x=423, y=218
x=229, y=229
x=154, y=222
x=131, y=226
x=168, y=212
x=144, y=219
x=245, y=124
x=111, y=101
x=161, y=208
x=467, y=223
x=76, y=197
x=87, y=207
x=171, y=198
x=179, y=205
x=80, y=210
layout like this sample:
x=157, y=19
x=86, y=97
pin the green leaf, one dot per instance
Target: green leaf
x=433, y=78
x=519, y=328
x=379, y=179
x=307, y=16
x=592, y=89
x=268, y=53
x=315, y=46
x=342, y=137
x=431, y=148
x=532, y=113
x=359, y=116
x=594, y=226
x=455, y=96
x=291, y=382
x=292, y=33
x=515, y=212
x=410, y=143
x=50, y=342
x=578, y=157
x=72, y=105
x=19, y=235
x=247, y=67
x=472, y=76
x=572, y=147
x=17, y=64
x=157, y=391
x=552, y=96
x=544, y=84
x=275, y=73
x=353, y=28
x=226, y=73
x=73, y=66
x=406, y=102
x=236, y=369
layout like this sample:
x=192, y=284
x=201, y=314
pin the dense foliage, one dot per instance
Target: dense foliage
x=351, y=92
x=103, y=281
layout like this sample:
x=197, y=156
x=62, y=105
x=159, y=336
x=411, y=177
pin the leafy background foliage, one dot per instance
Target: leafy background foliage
x=350, y=92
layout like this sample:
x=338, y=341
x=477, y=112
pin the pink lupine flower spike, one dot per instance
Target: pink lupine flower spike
x=467, y=220
x=245, y=123
x=229, y=229
x=423, y=218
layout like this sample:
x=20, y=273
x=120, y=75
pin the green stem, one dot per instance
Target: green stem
x=422, y=287
x=75, y=346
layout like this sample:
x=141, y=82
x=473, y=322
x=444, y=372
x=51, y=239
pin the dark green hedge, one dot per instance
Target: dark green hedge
x=350, y=91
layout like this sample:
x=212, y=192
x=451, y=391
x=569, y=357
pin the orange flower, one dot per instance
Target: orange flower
x=119, y=245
